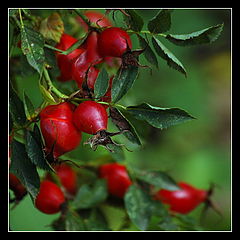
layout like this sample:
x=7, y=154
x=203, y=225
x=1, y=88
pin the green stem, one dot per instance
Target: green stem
x=53, y=48
x=51, y=86
x=20, y=16
x=70, y=49
x=114, y=105
x=85, y=19
x=119, y=106
x=147, y=32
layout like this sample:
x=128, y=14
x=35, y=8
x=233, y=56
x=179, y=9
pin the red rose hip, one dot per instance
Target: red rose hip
x=183, y=200
x=17, y=187
x=58, y=130
x=64, y=62
x=50, y=198
x=117, y=178
x=114, y=42
x=90, y=117
x=67, y=177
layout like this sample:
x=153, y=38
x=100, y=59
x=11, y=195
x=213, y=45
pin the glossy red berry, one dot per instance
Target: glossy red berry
x=67, y=177
x=64, y=62
x=184, y=200
x=90, y=117
x=50, y=198
x=96, y=18
x=117, y=178
x=91, y=45
x=58, y=130
x=83, y=67
x=82, y=70
x=114, y=42
x=17, y=187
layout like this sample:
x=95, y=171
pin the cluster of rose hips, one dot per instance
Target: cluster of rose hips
x=51, y=198
x=62, y=124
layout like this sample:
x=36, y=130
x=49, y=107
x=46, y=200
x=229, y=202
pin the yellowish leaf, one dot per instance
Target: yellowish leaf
x=52, y=27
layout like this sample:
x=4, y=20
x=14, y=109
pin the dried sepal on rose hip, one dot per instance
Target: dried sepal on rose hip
x=92, y=118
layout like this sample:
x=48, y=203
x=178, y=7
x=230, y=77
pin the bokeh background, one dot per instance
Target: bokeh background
x=197, y=152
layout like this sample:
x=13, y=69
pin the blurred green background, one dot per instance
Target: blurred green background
x=198, y=152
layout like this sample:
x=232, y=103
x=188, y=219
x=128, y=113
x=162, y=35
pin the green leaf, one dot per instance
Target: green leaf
x=123, y=123
x=139, y=206
x=148, y=52
x=16, y=108
x=123, y=81
x=13, y=12
x=96, y=221
x=134, y=20
x=161, y=22
x=159, y=117
x=101, y=84
x=34, y=148
x=157, y=178
x=207, y=35
x=73, y=222
x=32, y=46
x=168, y=56
x=28, y=107
x=117, y=152
x=24, y=169
x=110, y=211
x=91, y=195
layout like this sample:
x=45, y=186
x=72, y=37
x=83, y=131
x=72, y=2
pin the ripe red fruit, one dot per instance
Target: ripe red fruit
x=83, y=66
x=114, y=42
x=91, y=45
x=90, y=117
x=67, y=177
x=17, y=187
x=50, y=198
x=117, y=178
x=58, y=130
x=184, y=200
x=65, y=61
x=95, y=17
x=82, y=70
